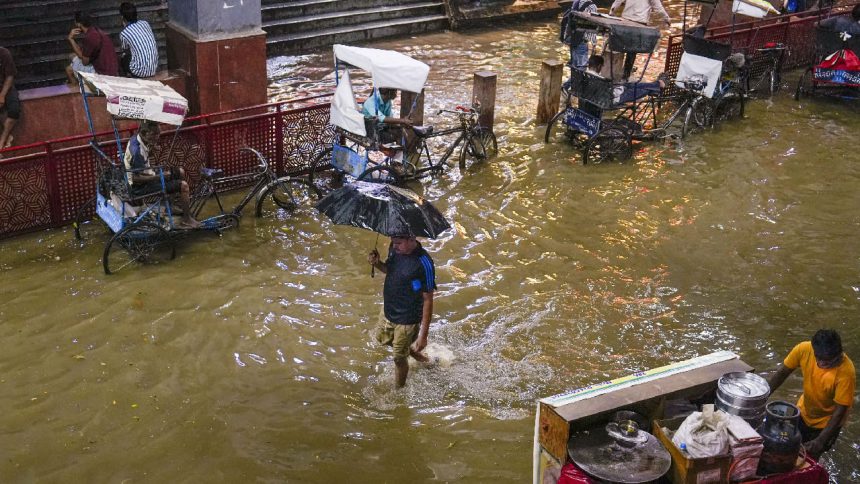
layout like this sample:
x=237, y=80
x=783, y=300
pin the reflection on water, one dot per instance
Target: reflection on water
x=249, y=356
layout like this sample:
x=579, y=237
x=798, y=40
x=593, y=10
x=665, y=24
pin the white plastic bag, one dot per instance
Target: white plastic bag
x=703, y=433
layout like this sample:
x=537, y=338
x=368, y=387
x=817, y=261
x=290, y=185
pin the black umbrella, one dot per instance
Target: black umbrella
x=384, y=209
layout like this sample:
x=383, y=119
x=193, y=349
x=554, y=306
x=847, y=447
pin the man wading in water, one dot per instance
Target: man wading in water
x=404, y=322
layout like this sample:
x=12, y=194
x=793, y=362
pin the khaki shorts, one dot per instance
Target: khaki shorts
x=398, y=336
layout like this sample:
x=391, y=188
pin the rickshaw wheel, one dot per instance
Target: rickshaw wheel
x=699, y=116
x=610, y=143
x=140, y=243
x=731, y=105
x=84, y=228
x=554, y=127
x=381, y=174
x=484, y=144
x=324, y=176
x=805, y=86
x=287, y=195
x=481, y=146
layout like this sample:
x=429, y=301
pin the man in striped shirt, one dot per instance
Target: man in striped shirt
x=140, y=51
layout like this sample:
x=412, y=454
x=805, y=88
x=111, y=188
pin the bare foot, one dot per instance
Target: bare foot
x=419, y=356
x=189, y=223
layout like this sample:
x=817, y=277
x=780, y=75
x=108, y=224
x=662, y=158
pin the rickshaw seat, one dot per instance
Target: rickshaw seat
x=423, y=131
x=211, y=173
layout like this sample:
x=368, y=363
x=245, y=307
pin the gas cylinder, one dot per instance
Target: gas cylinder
x=781, y=434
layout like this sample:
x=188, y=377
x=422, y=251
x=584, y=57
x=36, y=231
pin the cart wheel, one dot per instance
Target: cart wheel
x=87, y=224
x=220, y=223
x=610, y=143
x=805, y=86
x=481, y=145
x=731, y=105
x=286, y=195
x=557, y=132
x=775, y=82
x=381, y=174
x=141, y=243
x=324, y=176
x=699, y=116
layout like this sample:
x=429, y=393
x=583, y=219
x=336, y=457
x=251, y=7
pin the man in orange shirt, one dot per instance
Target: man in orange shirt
x=829, y=380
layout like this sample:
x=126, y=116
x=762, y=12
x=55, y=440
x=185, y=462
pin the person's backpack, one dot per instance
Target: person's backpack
x=568, y=29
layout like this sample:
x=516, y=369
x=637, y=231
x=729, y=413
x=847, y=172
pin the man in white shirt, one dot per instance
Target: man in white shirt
x=638, y=11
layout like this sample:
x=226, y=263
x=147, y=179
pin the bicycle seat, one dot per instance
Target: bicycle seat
x=211, y=173
x=423, y=130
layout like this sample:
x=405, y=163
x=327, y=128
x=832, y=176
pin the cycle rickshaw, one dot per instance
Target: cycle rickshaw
x=608, y=115
x=836, y=72
x=144, y=225
x=359, y=151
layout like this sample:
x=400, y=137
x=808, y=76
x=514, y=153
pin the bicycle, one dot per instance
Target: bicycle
x=478, y=143
x=287, y=193
x=762, y=70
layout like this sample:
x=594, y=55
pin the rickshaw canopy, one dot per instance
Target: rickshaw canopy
x=139, y=98
x=389, y=69
x=624, y=35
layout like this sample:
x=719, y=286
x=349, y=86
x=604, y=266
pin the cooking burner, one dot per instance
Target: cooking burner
x=619, y=452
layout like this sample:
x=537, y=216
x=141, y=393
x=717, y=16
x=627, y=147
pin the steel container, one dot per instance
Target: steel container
x=743, y=394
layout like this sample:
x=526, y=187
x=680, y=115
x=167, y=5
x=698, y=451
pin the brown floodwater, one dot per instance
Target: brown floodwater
x=248, y=358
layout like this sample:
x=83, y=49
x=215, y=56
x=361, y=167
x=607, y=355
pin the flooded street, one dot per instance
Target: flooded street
x=249, y=357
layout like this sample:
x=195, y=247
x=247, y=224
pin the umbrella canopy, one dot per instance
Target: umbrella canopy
x=385, y=209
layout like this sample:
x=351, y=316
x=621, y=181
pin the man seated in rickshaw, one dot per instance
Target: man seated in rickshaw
x=849, y=24
x=143, y=180
x=377, y=109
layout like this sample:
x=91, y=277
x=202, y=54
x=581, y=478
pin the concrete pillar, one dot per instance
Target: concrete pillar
x=550, y=90
x=222, y=48
x=484, y=91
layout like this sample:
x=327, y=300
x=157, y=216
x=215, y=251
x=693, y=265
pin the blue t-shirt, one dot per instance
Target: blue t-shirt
x=406, y=278
x=374, y=107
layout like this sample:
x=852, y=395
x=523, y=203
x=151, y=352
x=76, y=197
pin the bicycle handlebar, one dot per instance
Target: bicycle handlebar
x=264, y=164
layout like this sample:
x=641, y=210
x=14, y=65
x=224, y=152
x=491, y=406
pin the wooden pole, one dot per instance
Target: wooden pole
x=551, y=72
x=484, y=91
x=406, y=100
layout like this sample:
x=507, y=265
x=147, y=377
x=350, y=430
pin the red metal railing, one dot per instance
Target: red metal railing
x=42, y=185
x=796, y=31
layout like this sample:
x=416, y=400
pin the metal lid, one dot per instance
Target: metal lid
x=743, y=385
x=619, y=452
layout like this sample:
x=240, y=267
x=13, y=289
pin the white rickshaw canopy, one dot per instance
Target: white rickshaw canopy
x=139, y=98
x=389, y=69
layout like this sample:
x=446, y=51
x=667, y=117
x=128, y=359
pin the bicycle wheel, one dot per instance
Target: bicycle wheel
x=141, y=243
x=381, y=174
x=610, y=143
x=286, y=195
x=88, y=224
x=731, y=105
x=699, y=116
x=323, y=175
x=556, y=130
x=805, y=86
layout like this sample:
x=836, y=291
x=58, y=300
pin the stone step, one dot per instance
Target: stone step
x=304, y=8
x=303, y=41
x=35, y=10
x=321, y=22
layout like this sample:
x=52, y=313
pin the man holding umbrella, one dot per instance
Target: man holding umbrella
x=410, y=280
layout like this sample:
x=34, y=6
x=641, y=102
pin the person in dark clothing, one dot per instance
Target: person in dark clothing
x=9, y=102
x=410, y=280
x=96, y=49
x=844, y=23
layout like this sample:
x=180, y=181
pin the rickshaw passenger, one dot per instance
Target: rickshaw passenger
x=377, y=108
x=844, y=23
x=148, y=181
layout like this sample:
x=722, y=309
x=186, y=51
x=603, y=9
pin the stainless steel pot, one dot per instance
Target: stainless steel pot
x=743, y=394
